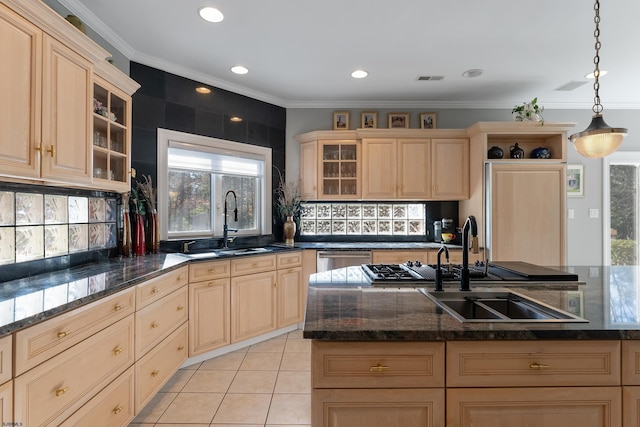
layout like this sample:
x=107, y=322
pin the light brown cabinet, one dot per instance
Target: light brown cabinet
x=253, y=305
x=450, y=169
x=209, y=306
x=290, y=289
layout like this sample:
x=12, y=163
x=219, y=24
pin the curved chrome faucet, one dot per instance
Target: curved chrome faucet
x=225, y=228
x=469, y=225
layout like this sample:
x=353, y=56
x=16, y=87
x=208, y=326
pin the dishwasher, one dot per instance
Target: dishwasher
x=329, y=260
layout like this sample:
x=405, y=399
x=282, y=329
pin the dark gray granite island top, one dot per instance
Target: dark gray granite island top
x=343, y=306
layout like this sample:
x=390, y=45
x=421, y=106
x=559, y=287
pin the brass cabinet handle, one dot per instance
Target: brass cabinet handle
x=39, y=149
x=255, y=264
x=117, y=307
x=538, y=366
x=210, y=284
x=275, y=284
x=180, y=307
x=61, y=391
x=181, y=348
x=155, y=373
x=63, y=334
x=155, y=290
x=117, y=410
x=52, y=151
x=181, y=277
x=211, y=270
x=378, y=368
x=155, y=325
x=117, y=351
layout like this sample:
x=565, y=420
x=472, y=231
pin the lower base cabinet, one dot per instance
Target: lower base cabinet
x=6, y=403
x=535, y=407
x=253, y=305
x=160, y=363
x=378, y=408
x=112, y=407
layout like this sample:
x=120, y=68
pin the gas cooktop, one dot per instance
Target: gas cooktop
x=414, y=273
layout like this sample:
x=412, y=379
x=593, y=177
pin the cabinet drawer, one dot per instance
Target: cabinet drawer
x=50, y=392
x=157, y=366
x=112, y=407
x=6, y=404
x=398, y=257
x=6, y=359
x=40, y=342
x=253, y=264
x=377, y=364
x=156, y=321
x=630, y=362
x=154, y=289
x=208, y=270
x=528, y=363
x=289, y=260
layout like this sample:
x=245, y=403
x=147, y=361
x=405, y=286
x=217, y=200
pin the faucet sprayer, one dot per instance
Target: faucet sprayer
x=225, y=228
x=470, y=225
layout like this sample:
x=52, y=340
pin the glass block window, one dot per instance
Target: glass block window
x=363, y=218
x=35, y=225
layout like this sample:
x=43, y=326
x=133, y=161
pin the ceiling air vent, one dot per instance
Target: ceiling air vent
x=430, y=78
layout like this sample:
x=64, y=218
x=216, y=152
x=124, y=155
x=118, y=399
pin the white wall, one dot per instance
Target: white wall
x=585, y=235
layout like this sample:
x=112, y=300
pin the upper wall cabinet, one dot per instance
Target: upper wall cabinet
x=389, y=164
x=47, y=76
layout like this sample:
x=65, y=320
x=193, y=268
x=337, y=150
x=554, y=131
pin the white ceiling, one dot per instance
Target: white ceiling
x=300, y=53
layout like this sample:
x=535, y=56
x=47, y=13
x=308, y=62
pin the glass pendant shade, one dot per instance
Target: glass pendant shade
x=599, y=139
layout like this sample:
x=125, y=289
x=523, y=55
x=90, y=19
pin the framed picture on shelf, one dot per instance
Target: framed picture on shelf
x=398, y=120
x=427, y=120
x=340, y=120
x=575, y=180
x=369, y=119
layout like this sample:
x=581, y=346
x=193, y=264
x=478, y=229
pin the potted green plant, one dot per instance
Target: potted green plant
x=288, y=204
x=529, y=112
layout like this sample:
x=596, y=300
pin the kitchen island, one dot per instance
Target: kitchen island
x=385, y=356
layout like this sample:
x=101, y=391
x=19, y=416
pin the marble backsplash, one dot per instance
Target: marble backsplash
x=39, y=223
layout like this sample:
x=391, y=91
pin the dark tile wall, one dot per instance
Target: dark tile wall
x=171, y=102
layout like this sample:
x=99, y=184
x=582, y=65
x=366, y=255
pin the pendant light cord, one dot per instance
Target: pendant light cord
x=597, y=106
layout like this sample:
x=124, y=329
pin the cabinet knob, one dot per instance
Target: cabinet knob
x=378, y=368
x=117, y=410
x=155, y=325
x=181, y=348
x=155, y=290
x=63, y=334
x=180, y=307
x=117, y=351
x=538, y=366
x=51, y=150
x=61, y=391
x=275, y=284
x=155, y=373
x=117, y=307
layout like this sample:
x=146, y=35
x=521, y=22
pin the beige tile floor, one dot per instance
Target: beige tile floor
x=266, y=384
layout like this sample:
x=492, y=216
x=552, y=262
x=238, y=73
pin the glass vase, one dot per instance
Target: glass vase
x=152, y=237
x=140, y=245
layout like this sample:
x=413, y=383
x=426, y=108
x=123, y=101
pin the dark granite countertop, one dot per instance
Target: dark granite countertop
x=342, y=305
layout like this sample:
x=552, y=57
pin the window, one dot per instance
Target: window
x=194, y=175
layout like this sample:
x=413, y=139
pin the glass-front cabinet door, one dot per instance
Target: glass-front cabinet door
x=111, y=137
x=339, y=170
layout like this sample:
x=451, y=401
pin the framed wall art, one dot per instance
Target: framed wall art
x=369, y=119
x=398, y=120
x=427, y=120
x=340, y=120
x=575, y=180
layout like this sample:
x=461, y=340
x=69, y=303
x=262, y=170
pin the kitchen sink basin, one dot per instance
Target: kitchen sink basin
x=214, y=253
x=498, y=306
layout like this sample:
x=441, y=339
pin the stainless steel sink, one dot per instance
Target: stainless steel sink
x=501, y=305
x=226, y=252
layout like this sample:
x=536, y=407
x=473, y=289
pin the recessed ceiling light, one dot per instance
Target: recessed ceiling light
x=203, y=89
x=591, y=76
x=472, y=73
x=359, y=74
x=239, y=69
x=210, y=14
x=236, y=119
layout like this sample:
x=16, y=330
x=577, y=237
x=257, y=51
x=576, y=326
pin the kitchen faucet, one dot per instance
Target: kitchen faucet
x=470, y=225
x=225, y=228
x=444, y=249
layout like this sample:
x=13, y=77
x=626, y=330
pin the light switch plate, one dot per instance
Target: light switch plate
x=594, y=213
x=571, y=213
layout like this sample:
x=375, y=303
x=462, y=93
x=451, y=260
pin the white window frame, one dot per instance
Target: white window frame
x=166, y=137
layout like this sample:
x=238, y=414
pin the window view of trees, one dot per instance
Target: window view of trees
x=189, y=201
x=246, y=189
x=624, y=213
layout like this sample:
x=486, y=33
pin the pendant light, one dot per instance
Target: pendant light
x=599, y=139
